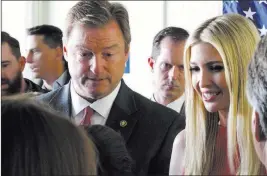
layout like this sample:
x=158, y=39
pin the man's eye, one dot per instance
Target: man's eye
x=35, y=51
x=165, y=66
x=85, y=55
x=4, y=65
x=181, y=67
x=107, y=54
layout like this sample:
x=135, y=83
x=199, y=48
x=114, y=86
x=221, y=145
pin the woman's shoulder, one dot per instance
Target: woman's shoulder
x=179, y=140
x=176, y=164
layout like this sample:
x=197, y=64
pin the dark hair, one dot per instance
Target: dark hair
x=37, y=141
x=257, y=82
x=97, y=13
x=113, y=155
x=52, y=34
x=12, y=42
x=52, y=37
x=177, y=34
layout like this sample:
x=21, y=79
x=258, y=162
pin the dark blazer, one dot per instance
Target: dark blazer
x=150, y=130
x=62, y=80
x=32, y=87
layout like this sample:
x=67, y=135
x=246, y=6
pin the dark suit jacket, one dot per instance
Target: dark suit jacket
x=61, y=81
x=150, y=130
x=32, y=87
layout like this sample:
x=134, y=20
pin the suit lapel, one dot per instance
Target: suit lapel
x=61, y=102
x=123, y=115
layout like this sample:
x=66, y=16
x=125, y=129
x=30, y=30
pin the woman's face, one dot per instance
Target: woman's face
x=208, y=77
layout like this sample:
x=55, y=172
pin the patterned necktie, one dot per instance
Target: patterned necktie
x=88, y=112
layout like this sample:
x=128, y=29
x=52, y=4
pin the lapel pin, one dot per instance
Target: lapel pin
x=123, y=123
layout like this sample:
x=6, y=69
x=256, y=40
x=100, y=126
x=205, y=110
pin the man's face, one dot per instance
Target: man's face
x=260, y=146
x=168, y=69
x=96, y=59
x=11, y=75
x=40, y=57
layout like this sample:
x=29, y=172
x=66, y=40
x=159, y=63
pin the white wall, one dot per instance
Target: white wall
x=146, y=19
x=189, y=14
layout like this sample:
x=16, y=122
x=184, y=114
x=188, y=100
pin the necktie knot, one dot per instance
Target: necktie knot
x=88, y=112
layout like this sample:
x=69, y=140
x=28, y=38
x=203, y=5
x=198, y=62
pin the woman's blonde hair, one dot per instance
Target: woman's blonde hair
x=235, y=38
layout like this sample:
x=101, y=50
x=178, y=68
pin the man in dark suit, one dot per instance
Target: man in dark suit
x=96, y=45
x=167, y=67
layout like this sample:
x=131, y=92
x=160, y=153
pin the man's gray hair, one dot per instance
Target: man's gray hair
x=97, y=13
x=257, y=82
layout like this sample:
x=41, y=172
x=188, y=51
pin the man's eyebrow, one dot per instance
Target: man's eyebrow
x=112, y=46
x=81, y=47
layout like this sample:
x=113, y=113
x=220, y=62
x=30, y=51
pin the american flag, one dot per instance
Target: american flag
x=253, y=10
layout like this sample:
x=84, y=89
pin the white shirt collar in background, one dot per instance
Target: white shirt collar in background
x=175, y=105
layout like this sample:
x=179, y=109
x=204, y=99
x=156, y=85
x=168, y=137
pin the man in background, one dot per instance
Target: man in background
x=257, y=96
x=167, y=67
x=12, y=66
x=45, y=56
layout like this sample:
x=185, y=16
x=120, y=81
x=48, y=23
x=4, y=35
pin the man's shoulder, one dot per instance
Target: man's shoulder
x=155, y=110
x=33, y=87
x=49, y=96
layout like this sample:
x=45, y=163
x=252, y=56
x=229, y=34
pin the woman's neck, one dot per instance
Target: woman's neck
x=223, y=116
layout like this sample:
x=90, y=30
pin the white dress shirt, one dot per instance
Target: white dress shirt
x=101, y=107
x=175, y=105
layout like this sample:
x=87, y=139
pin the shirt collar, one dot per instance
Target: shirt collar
x=101, y=106
x=175, y=105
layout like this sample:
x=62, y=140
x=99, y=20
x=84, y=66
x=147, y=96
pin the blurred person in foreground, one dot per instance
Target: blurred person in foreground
x=114, y=158
x=37, y=141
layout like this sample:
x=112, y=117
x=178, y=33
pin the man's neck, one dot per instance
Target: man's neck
x=164, y=100
x=48, y=82
x=23, y=86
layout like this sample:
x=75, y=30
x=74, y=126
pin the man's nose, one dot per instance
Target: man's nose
x=97, y=64
x=173, y=73
x=29, y=57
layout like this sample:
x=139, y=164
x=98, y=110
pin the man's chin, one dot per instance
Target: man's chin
x=93, y=94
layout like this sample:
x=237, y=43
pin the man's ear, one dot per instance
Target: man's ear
x=151, y=63
x=256, y=125
x=22, y=62
x=59, y=52
x=65, y=52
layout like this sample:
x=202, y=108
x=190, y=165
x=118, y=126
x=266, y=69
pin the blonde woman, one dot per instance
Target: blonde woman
x=216, y=58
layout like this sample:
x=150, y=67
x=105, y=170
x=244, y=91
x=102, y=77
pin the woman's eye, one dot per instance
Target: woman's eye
x=194, y=69
x=216, y=68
